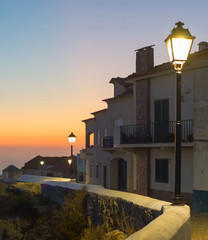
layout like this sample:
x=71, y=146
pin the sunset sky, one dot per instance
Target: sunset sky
x=58, y=56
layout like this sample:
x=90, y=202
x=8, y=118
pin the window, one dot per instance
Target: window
x=97, y=171
x=105, y=132
x=118, y=122
x=91, y=170
x=161, y=129
x=90, y=140
x=161, y=170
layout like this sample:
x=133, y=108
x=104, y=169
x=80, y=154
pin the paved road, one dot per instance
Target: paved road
x=199, y=226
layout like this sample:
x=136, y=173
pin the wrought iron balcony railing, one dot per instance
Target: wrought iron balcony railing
x=157, y=132
x=107, y=142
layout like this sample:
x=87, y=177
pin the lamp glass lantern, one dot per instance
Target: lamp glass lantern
x=179, y=44
x=42, y=163
x=72, y=138
x=41, y=169
x=70, y=161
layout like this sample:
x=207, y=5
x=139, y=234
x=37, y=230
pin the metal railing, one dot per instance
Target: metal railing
x=107, y=142
x=157, y=132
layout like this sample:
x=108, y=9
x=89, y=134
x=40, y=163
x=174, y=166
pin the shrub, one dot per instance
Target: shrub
x=93, y=233
x=31, y=188
x=9, y=230
x=3, y=188
x=22, y=205
x=72, y=217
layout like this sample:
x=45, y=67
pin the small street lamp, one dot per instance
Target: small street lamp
x=70, y=164
x=179, y=44
x=70, y=161
x=72, y=138
x=41, y=167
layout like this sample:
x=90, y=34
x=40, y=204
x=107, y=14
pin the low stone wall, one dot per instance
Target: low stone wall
x=153, y=218
x=172, y=224
x=123, y=213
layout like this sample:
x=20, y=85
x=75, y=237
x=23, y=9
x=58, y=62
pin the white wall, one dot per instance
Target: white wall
x=186, y=169
x=118, y=109
x=162, y=153
x=201, y=127
x=163, y=87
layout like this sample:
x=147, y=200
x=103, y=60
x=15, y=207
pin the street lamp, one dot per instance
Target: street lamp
x=72, y=139
x=41, y=168
x=179, y=44
x=70, y=164
x=70, y=161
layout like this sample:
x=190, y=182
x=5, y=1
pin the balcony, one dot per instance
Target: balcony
x=107, y=142
x=162, y=132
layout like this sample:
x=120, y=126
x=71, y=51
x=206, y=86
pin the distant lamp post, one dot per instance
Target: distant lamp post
x=70, y=161
x=41, y=167
x=70, y=164
x=72, y=138
x=179, y=44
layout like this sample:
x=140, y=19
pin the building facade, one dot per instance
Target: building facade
x=81, y=169
x=11, y=173
x=51, y=166
x=141, y=131
x=106, y=165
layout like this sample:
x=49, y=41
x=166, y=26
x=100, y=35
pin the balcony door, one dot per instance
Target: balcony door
x=161, y=119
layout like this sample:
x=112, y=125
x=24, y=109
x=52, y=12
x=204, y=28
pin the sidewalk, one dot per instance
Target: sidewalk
x=199, y=226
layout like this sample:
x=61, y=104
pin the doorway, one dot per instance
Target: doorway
x=122, y=175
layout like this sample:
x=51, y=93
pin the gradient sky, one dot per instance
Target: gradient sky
x=58, y=56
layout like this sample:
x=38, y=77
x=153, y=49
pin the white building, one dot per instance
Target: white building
x=134, y=137
x=103, y=161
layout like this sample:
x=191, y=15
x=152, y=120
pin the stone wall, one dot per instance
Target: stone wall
x=101, y=208
x=144, y=60
x=143, y=101
x=158, y=219
x=173, y=224
x=143, y=171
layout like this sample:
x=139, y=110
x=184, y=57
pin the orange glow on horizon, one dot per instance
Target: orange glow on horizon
x=42, y=140
x=47, y=127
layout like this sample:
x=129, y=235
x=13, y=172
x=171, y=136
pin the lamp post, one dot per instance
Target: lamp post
x=179, y=44
x=41, y=167
x=72, y=139
x=70, y=164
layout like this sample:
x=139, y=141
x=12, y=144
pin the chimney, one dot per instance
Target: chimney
x=144, y=59
x=203, y=45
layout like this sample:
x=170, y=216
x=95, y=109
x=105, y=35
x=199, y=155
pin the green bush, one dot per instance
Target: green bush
x=10, y=230
x=101, y=233
x=93, y=233
x=3, y=188
x=33, y=189
x=22, y=205
x=29, y=216
x=72, y=217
